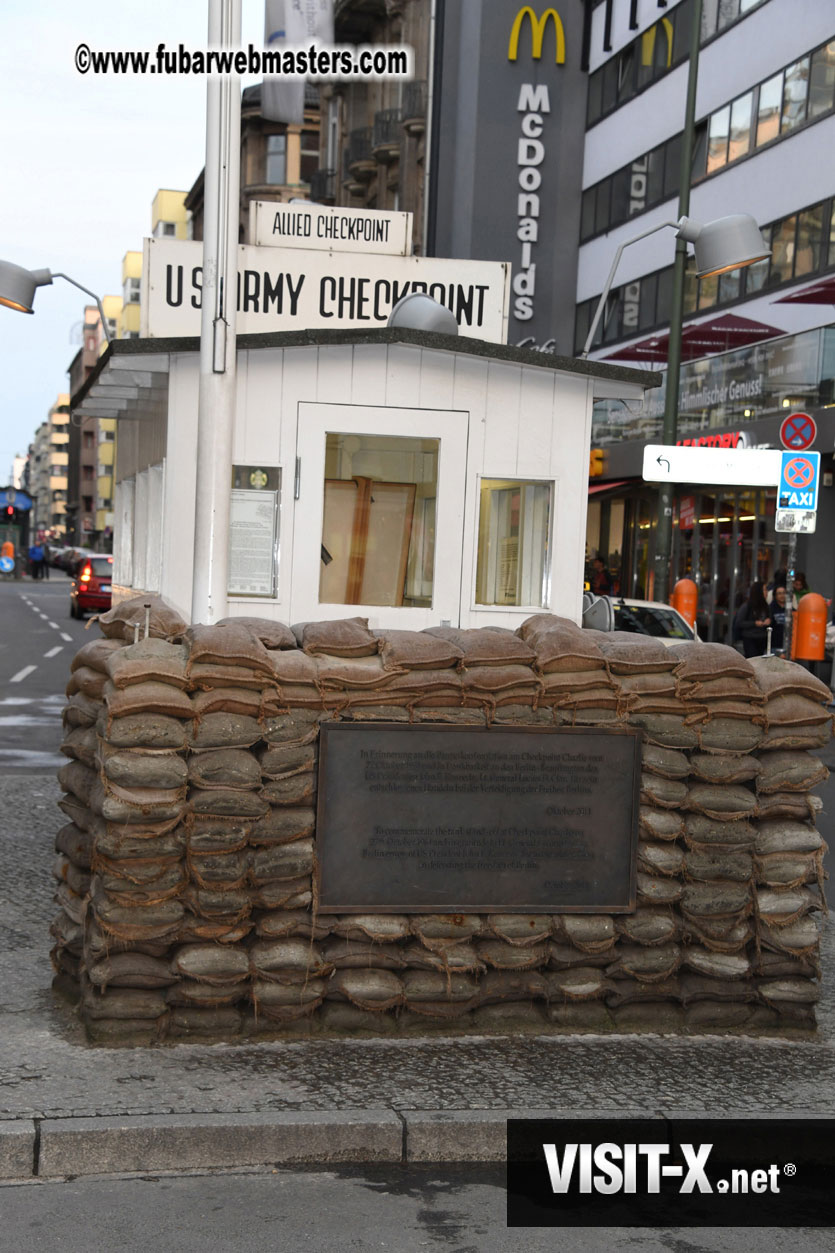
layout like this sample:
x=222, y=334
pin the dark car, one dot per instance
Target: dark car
x=91, y=585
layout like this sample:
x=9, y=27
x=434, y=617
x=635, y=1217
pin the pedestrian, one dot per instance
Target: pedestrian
x=777, y=614
x=36, y=561
x=601, y=579
x=801, y=587
x=755, y=622
x=45, y=566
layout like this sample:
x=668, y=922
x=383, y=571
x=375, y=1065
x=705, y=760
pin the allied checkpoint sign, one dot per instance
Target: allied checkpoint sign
x=309, y=225
x=307, y=289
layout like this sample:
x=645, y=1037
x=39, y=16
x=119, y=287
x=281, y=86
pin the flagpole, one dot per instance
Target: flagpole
x=218, y=354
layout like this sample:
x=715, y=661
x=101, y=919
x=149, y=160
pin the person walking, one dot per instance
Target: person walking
x=801, y=587
x=601, y=579
x=36, y=561
x=754, y=622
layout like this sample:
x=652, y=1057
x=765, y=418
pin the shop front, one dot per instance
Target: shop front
x=723, y=538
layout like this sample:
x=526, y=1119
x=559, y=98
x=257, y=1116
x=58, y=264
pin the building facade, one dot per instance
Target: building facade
x=47, y=480
x=757, y=342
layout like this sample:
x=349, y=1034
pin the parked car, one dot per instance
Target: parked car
x=641, y=617
x=652, y=617
x=90, y=589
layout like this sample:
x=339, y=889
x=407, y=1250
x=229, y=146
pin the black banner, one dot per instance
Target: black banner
x=743, y=1172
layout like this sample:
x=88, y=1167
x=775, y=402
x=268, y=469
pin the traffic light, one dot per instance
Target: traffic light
x=9, y=511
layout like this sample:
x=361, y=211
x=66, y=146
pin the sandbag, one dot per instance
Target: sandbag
x=486, y=646
x=345, y=637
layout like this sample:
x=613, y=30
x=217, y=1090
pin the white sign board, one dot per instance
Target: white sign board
x=305, y=290
x=253, y=517
x=742, y=467
x=336, y=230
x=797, y=522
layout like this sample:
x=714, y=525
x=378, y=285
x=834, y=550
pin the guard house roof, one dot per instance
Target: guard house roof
x=131, y=378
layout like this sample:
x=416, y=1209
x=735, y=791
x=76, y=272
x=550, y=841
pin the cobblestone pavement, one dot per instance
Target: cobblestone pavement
x=48, y=1070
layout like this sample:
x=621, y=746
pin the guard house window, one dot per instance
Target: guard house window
x=514, y=557
x=276, y=171
x=378, y=524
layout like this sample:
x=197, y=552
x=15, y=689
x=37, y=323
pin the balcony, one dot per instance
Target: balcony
x=386, y=138
x=323, y=186
x=360, y=157
x=414, y=107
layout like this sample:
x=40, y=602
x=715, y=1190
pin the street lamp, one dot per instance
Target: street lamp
x=727, y=243
x=18, y=286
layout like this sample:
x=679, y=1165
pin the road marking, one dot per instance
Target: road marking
x=45, y=616
x=66, y=637
x=53, y=652
x=55, y=626
x=21, y=674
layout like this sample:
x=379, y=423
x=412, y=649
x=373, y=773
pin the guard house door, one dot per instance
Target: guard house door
x=379, y=515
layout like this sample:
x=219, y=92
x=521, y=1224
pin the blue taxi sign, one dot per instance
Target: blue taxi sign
x=799, y=479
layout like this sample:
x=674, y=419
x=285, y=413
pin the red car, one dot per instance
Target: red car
x=91, y=585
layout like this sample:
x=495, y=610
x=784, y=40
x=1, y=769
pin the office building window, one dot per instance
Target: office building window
x=801, y=93
x=309, y=155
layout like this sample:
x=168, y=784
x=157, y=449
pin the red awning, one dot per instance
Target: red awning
x=818, y=294
x=700, y=339
x=604, y=487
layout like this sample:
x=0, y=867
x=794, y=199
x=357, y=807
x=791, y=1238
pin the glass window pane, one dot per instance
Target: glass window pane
x=728, y=12
x=717, y=139
x=782, y=251
x=691, y=290
x=728, y=286
x=710, y=10
x=610, y=87
x=768, y=112
x=631, y=299
x=514, y=527
x=740, y=137
x=601, y=210
x=276, y=171
x=587, y=213
x=795, y=90
x=638, y=198
x=594, y=98
x=756, y=274
x=626, y=74
x=822, y=80
x=655, y=175
x=378, y=525
x=664, y=298
x=619, y=208
x=699, y=164
x=809, y=239
x=672, y=166
x=582, y=321
x=831, y=257
x=649, y=290
x=612, y=313
x=708, y=291
x=681, y=16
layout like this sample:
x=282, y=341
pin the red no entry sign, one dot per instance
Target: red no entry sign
x=798, y=431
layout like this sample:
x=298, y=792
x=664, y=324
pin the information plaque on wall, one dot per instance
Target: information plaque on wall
x=253, y=531
x=443, y=819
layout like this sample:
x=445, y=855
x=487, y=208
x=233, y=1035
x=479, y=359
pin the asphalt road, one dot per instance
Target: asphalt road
x=37, y=642
x=387, y=1210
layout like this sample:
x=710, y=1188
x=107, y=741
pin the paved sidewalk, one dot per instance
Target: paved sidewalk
x=68, y=1109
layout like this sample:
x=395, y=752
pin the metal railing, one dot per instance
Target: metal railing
x=360, y=144
x=414, y=101
x=323, y=185
x=387, y=128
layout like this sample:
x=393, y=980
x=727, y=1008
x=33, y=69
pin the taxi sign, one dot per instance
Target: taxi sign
x=799, y=478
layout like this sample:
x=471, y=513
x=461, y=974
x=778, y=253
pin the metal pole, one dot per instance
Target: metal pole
x=790, y=564
x=664, y=528
x=218, y=378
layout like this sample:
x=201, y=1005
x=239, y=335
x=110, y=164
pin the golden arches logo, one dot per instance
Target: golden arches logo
x=538, y=27
x=648, y=42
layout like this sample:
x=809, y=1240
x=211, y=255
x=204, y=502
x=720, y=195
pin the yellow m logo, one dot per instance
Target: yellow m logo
x=538, y=25
x=648, y=42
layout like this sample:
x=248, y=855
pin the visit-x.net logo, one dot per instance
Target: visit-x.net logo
x=763, y=1172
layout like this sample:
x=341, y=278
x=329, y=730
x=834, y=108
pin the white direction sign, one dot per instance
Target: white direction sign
x=743, y=467
x=788, y=521
x=305, y=289
x=299, y=225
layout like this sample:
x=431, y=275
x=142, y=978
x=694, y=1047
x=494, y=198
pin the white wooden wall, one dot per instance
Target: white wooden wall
x=523, y=423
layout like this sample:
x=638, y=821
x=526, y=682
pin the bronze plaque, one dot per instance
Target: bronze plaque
x=440, y=819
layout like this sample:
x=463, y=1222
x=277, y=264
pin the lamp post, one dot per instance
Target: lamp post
x=18, y=287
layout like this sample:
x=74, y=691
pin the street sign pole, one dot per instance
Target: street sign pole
x=790, y=564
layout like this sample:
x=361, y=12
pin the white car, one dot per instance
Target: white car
x=642, y=617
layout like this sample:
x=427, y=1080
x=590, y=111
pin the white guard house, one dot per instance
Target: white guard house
x=411, y=478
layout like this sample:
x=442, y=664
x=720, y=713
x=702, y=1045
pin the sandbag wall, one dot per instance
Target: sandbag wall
x=186, y=867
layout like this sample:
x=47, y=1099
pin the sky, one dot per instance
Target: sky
x=83, y=156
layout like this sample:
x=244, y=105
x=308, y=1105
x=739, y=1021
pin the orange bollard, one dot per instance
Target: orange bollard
x=809, y=628
x=685, y=599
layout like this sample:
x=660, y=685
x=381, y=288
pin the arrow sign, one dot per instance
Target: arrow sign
x=798, y=431
x=732, y=467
